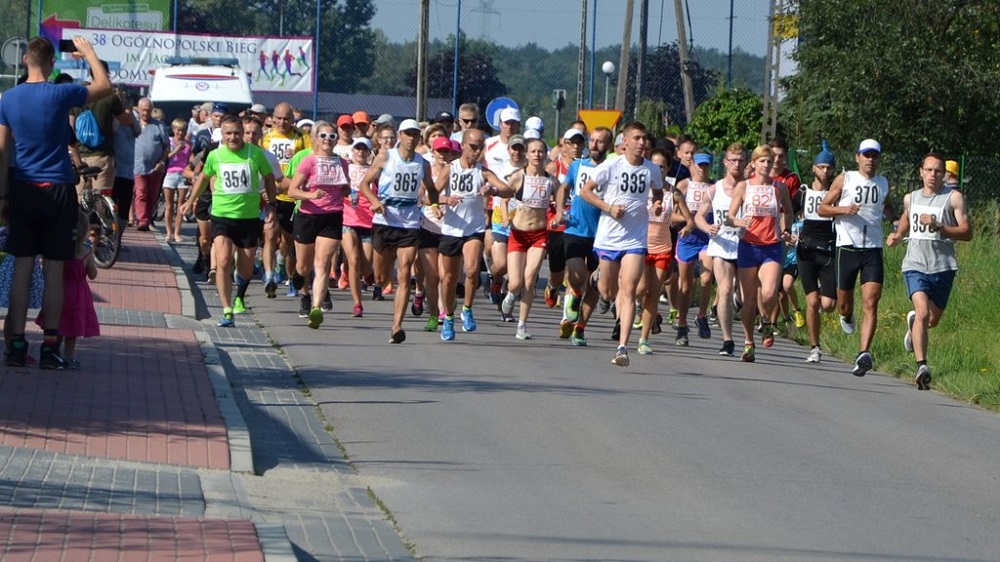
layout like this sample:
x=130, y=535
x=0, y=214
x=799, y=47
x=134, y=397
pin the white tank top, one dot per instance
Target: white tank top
x=628, y=186
x=467, y=217
x=726, y=243
x=863, y=230
x=398, y=185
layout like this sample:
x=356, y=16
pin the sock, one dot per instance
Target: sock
x=227, y=310
x=241, y=289
x=921, y=363
x=464, y=308
x=51, y=337
x=521, y=324
x=580, y=326
x=449, y=317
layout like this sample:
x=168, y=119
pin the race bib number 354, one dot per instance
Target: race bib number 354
x=234, y=179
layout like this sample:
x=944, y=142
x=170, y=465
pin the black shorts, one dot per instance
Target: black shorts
x=792, y=270
x=43, y=221
x=578, y=247
x=852, y=261
x=203, y=208
x=556, y=251
x=284, y=212
x=244, y=233
x=451, y=246
x=428, y=239
x=306, y=228
x=391, y=237
x=818, y=271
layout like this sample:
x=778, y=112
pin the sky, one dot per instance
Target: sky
x=556, y=23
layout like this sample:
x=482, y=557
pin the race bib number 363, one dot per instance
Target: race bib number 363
x=234, y=179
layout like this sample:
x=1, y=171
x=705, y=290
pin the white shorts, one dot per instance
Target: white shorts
x=174, y=180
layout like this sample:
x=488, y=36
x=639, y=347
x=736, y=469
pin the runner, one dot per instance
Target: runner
x=528, y=234
x=857, y=201
x=468, y=118
x=345, y=136
x=692, y=251
x=235, y=170
x=463, y=228
x=500, y=219
x=358, y=225
x=573, y=143
x=815, y=251
x=283, y=141
x=495, y=154
x=621, y=231
x=399, y=172
x=581, y=227
x=763, y=208
x=444, y=152
x=385, y=140
x=934, y=217
x=723, y=241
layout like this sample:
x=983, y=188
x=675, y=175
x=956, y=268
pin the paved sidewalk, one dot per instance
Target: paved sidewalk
x=137, y=456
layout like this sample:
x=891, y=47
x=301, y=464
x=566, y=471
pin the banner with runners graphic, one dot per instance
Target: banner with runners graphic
x=274, y=64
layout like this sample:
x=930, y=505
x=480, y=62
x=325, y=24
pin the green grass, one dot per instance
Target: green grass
x=964, y=354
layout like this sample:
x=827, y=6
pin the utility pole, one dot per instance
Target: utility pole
x=769, y=123
x=623, y=59
x=583, y=58
x=422, y=58
x=685, y=61
x=643, y=39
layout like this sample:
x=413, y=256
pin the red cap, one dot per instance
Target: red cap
x=456, y=146
x=361, y=117
x=344, y=120
x=442, y=143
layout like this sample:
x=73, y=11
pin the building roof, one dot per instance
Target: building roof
x=333, y=104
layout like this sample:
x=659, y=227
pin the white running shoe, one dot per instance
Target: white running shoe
x=522, y=333
x=908, y=338
x=507, y=305
x=815, y=356
x=847, y=324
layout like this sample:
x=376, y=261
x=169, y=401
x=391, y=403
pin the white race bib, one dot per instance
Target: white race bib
x=922, y=231
x=234, y=179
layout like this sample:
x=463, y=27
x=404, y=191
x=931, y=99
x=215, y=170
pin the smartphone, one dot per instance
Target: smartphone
x=67, y=46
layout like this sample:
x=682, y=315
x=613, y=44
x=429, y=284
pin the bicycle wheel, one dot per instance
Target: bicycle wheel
x=161, y=208
x=103, y=217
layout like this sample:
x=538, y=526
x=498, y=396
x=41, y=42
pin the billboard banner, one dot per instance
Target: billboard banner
x=145, y=15
x=274, y=64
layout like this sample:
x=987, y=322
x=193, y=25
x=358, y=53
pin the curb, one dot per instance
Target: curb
x=240, y=448
x=275, y=543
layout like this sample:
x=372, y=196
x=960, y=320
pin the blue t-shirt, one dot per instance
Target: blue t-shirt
x=38, y=116
x=582, y=218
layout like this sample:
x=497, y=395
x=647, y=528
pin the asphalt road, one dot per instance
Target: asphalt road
x=489, y=448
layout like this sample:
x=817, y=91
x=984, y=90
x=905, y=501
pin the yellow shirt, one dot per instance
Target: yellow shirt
x=283, y=146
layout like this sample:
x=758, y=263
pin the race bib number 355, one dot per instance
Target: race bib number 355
x=234, y=179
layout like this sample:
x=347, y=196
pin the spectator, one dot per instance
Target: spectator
x=151, y=149
x=106, y=111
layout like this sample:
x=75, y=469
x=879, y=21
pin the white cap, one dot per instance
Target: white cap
x=510, y=114
x=573, y=132
x=258, y=108
x=534, y=123
x=304, y=122
x=619, y=140
x=870, y=145
x=532, y=134
x=362, y=141
x=409, y=125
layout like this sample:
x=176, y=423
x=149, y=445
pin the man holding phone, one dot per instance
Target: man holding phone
x=106, y=110
x=37, y=197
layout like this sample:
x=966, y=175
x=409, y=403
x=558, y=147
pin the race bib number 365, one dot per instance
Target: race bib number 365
x=234, y=179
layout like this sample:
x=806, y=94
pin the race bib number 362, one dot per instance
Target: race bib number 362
x=234, y=179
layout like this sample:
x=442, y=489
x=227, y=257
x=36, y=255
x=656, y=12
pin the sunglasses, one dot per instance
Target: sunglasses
x=468, y=121
x=474, y=146
x=324, y=136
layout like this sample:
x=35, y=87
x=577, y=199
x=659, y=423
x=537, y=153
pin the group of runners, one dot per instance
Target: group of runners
x=440, y=209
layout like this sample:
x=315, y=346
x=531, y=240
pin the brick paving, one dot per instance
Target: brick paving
x=141, y=279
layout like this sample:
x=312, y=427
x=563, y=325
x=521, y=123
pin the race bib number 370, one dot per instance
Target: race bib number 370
x=234, y=179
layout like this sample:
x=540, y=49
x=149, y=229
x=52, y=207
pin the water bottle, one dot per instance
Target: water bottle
x=354, y=198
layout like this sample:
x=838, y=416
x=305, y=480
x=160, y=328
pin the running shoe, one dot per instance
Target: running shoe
x=343, y=283
x=815, y=355
x=448, y=329
x=862, y=364
x=565, y=329
x=704, y=331
x=305, y=303
x=507, y=306
x=674, y=318
x=713, y=315
x=578, y=338
x=388, y=289
x=767, y=333
x=571, y=306
x=923, y=378
x=749, y=353
x=644, y=348
x=908, y=337
x=315, y=317
x=522, y=332
x=417, y=306
x=551, y=293
x=327, y=305
x=657, y=324
x=663, y=298
x=737, y=304
x=49, y=358
x=358, y=312
x=616, y=332
x=728, y=348
x=291, y=292
x=637, y=318
x=271, y=288
x=227, y=320
x=682, y=336
x=377, y=293
x=432, y=324
x=17, y=353
x=211, y=277
x=398, y=336
x=468, y=321
x=603, y=306
x=621, y=357
x=239, y=307
x=506, y=317
x=800, y=319
x=847, y=324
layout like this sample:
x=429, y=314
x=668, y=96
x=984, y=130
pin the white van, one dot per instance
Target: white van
x=195, y=80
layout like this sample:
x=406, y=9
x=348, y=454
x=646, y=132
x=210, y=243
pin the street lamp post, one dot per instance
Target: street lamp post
x=608, y=68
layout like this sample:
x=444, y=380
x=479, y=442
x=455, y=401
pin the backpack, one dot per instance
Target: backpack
x=88, y=131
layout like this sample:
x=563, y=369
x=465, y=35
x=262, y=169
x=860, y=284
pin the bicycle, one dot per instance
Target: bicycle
x=105, y=230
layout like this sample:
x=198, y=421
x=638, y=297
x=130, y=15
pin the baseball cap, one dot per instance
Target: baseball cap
x=869, y=145
x=362, y=141
x=456, y=146
x=304, y=122
x=702, y=158
x=534, y=122
x=409, y=125
x=258, y=108
x=951, y=167
x=442, y=143
x=384, y=119
x=510, y=114
x=444, y=117
x=207, y=106
x=517, y=140
x=361, y=117
x=573, y=132
x=620, y=139
x=345, y=120
x=220, y=108
x=532, y=134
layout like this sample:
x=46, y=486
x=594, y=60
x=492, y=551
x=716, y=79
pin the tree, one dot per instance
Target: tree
x=477, y=74
x=916, y=75
x=728, y=117
x=662, y=81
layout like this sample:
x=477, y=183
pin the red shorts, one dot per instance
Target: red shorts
x=662, y=261
x=520, y=240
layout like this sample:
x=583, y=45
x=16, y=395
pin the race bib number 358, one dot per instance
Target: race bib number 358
x=234, y=179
